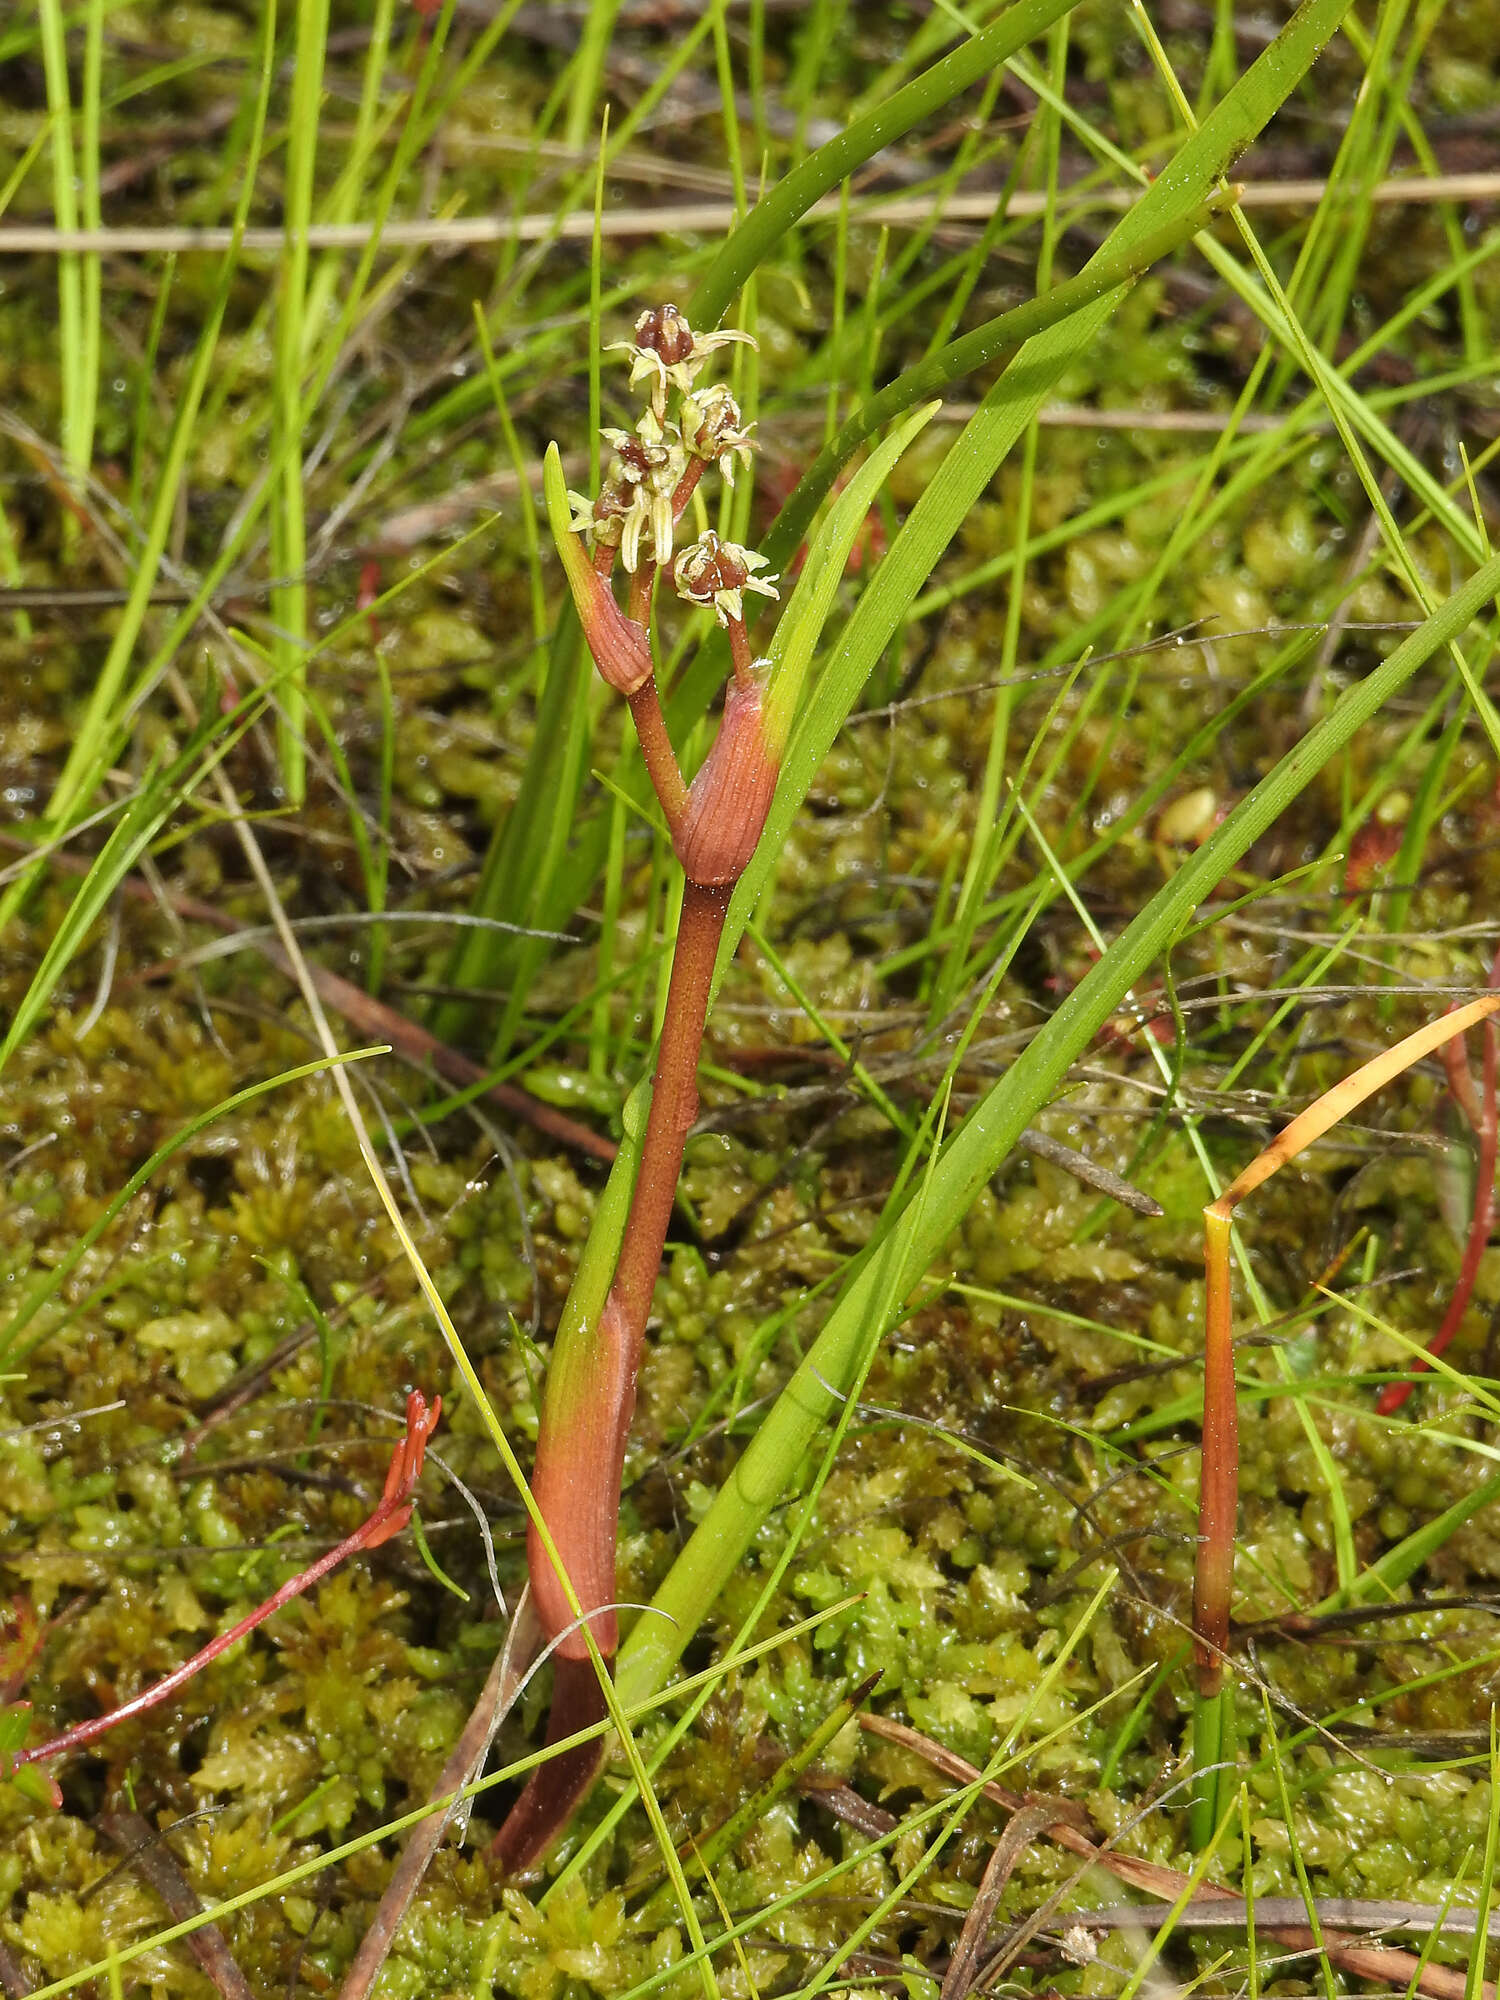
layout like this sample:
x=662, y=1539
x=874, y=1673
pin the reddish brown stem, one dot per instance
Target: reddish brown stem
x=1394, y=1394
x=581, y=1444
x=392, y=1512
x=502, y=1687
x=741, y=654
x=638, y=598
x=656, y=748
x=1218, y=1479
x=555, y=1788
x=684, y=489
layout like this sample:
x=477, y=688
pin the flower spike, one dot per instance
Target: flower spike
x=643, y=478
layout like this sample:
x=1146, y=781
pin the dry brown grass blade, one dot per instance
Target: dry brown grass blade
x=1336, y=1104
x=506, y=1678
x=1389, y=1965
x=1218, y=1501
x=146, y=1851
x=1024, y=1827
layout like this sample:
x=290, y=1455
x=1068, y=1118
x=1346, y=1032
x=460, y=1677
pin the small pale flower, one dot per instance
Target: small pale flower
x=711, y=572
x=713, y=428
x=601, y=520
x=650, y=455
x=666, y=351
x=648, y=465
x=632, y=521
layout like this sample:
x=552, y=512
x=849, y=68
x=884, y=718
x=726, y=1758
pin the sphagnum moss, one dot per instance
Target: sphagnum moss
x=145, y=1556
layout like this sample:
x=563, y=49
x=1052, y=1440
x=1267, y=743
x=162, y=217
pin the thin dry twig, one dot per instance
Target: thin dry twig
x=1341, y=1912
x=1388, y=1965
x=146, y=1851
x=714, y=218
x=12, y=1978
x=1023, y=1827
x=506, y=1678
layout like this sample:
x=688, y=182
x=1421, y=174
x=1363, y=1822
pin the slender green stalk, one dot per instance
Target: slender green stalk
x=982, y=862
x=1218, y=1485
x=1002, y=337
x=92, y=217
x=813, y=177
x=288, y=516
x=94, y=739
x=76, y=423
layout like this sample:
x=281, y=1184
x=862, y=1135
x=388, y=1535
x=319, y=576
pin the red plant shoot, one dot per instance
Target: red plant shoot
x=1481, y=1113
x=392, y=1512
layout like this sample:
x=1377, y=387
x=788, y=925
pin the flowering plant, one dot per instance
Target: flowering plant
x=714, y=825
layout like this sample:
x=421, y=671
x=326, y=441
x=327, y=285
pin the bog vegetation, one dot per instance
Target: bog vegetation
x=1056, y=756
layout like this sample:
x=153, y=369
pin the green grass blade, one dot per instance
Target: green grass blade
x=1109, y=272
x=97, y=728
x=791, y=198
x=288, y=523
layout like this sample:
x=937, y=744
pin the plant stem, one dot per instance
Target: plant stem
x=591, y=1390
x=556, y=1788
x=590, y=1399
x=1218, y=1481
x=656, y=749
x=674, y=1099
x=741, y=653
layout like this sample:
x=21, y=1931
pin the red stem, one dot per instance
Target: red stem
x=656, y=748
x=1218, y=1482
x=555, y=1788
x=638, y=600
x=1394, y=1394
x=392, y=1512
x=581, y=1443
x=741, y=654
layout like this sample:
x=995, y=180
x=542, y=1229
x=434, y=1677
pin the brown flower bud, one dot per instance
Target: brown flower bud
x=666, y=351
x=664, y=331
x=731, y=795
